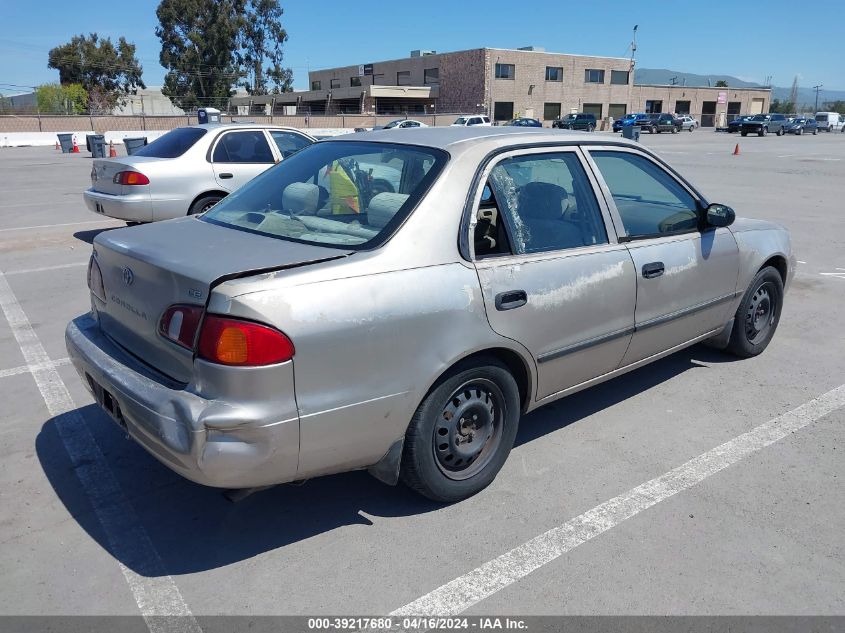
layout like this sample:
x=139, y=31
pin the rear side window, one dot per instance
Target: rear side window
x=289, y=142
x=248, y=146
x=650, y=202
x=174, y=143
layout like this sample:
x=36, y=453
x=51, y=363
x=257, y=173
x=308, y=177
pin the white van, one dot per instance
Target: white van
x=829, y=121
x=472, y=119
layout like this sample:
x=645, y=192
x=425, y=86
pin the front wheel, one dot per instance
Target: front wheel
x=744, y=133
x=758, y=314
x=590, y=128
x=800, y=131
x=815, y=131
x=462, y=432
x=779, y=132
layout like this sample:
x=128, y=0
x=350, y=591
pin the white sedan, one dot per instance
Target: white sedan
x=403, y=124
x=688, y=123
x=188, y=170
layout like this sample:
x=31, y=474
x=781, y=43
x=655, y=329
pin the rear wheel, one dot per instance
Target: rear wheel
x=203, y=204
x=780, y=131
x=590, y=128
x=815, y=131
x=758, y=314
x=462, y=432
x=800, y=131
x=744, y=133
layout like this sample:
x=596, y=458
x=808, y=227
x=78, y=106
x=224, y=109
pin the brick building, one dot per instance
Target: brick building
x=507, y=83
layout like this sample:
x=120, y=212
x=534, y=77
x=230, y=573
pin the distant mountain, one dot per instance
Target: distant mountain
x=662, y=76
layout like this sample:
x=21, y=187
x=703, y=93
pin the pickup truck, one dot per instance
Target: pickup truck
x=762, y=124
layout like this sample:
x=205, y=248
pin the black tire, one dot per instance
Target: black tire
x=133, y=223
x=744, y=133
x=800, y=131
x=691, y=128
x=203, y=204
x=438, y=460
x=674, y=130
x=654, y=129
x=779, y=132
x=815, y=131
x=590, y=128
x=758, y=314
x=763, y=131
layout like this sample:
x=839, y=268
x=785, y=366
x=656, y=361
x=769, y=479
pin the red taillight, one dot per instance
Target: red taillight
x=179, y=324
x=244, y=343
x=130, y=178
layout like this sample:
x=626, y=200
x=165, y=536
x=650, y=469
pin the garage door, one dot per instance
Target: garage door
x=756, y=105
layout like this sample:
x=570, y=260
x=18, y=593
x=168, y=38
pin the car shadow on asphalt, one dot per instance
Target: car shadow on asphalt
x=195, y=528
x=89, y=235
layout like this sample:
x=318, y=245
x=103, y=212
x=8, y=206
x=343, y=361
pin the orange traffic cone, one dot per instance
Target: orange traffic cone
x=736, y=150
x=112, y=153
x=75, y=149
x=58, y=147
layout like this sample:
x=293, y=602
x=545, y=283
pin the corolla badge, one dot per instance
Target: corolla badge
x=128, y=276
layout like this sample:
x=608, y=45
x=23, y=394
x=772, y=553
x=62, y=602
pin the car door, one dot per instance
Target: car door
x=553, y=276
x=686, y=276
x=238, y=156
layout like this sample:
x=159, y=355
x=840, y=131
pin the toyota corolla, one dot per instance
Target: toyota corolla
x=311, y=323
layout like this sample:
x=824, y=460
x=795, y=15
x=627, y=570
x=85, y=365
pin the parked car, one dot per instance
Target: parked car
x=829, y=121
x=274, y=338
x=688, y=123
x=802, y=125
x=628, y=119
x=188, y=170
x=472, y=119
x=404, y=123
x=762, y=124
x=524, y=122
x=580, y=121
x=662, y=122
x=736, y=124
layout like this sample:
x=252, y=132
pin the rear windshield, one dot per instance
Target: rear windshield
x=351, y=195
x=173, y=144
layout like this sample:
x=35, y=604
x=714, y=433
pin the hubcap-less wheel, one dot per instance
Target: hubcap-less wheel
x=469, y=429
x=760, y=316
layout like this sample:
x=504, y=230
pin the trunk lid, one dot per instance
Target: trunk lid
x=151, y=267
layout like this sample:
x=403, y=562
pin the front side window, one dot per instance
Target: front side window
x=649, y=200
x=505, y=71
x=554, y=73
x=289, y=142
x=593, y=76
x=544, y=201
x=346, y=194
x=173, y=144
x=247, y=146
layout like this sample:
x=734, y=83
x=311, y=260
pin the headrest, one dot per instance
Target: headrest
x=542, y=201
x=383, y=207
x=300, y=197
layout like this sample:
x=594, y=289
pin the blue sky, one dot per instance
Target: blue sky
x=696, y=37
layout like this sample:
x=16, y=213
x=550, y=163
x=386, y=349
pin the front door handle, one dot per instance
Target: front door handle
x=226, y=175
x=511, y=299
x=653, y=269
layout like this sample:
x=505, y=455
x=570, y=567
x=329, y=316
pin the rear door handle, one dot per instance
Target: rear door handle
x=653, y=269
x=511, y=299
x=226, y=175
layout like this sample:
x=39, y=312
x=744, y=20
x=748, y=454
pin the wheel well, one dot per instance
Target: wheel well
x=222, y=194
x=510, y=359
x=778, y=263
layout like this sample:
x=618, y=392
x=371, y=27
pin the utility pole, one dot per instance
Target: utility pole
x=817, y=88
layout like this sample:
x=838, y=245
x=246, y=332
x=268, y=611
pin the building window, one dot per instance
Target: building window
x=683, y=107
x=378, y=80
x=316, y=85
x=593, y=76
x=355, y=82
x=505, y=71
x=503, y=111
x=551, y=111
x=618, y=77
x=554, y=73
x=592, y=108
x=403, y=78
x=653, y=106
x=617, y=110
x=431, y=76
x=334, y=83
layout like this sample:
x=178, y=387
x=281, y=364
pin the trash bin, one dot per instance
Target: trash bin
x=631, y=132
x=208, y=115
x=96, y=145
x=66, y=141
x=134, y=144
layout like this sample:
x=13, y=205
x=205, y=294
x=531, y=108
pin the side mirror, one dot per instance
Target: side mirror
x=720, y=215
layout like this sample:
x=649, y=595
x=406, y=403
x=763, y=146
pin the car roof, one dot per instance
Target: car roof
x=240, y=125
x=459, y=138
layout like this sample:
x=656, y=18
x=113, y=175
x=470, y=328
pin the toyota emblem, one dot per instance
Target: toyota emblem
x=128, y=276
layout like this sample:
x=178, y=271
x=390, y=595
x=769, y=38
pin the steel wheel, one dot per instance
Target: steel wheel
x=760, y=315
x=469, y=429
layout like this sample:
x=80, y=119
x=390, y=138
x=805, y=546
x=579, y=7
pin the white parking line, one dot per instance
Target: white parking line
x=50, y=226
x=46, y=205
x=23, y=369
x=24, y=271
x=155, y=592
x=463, y=592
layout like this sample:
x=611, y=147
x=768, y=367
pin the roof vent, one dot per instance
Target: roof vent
x=536, y=49
x=422, y=53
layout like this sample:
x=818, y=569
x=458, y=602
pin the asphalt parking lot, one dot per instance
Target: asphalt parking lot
x=90, y=524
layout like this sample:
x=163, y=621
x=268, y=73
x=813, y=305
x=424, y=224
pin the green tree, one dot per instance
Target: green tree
x=210, y=47
x=260, y=53
x=58, y=99
x=782, y=107
x=112, y=72
x=834, y=106
x=721, y=83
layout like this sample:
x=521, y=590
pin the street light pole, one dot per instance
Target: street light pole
x=817, y=88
